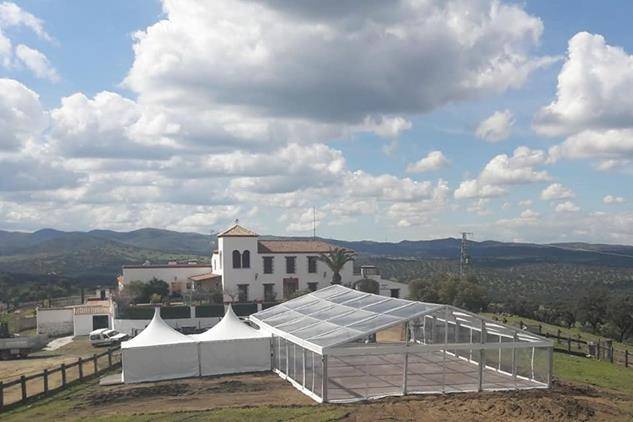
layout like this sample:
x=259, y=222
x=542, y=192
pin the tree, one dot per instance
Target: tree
x=592, y=308
x=423, y=290
x=367, y=285
x=155, y=287
x=620, y=315
x=133, y=291
x=336, y=259
x=568, y=316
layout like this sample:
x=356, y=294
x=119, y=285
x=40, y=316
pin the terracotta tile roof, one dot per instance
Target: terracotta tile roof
x=293, y=246
x=204, y=277
x=237, y=231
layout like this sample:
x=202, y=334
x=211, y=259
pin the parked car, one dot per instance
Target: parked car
x=106, y=337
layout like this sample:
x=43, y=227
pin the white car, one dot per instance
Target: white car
x=106, y=337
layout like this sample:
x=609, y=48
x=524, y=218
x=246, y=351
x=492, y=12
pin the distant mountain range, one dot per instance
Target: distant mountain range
x=99, y=254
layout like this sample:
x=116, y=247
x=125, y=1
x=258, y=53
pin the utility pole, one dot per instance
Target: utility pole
x=464, y=256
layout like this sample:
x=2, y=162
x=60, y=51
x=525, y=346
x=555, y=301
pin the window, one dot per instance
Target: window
x=291, y=264
x=312, y=264
x=268, y=265
x=312, y=286
x=395, y=293
x=246, y=259
x=188, y=286
x=242, y=292
x=269, y=292
x=237, y=259
x=291, y=285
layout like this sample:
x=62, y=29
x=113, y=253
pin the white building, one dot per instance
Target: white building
x=249, y=269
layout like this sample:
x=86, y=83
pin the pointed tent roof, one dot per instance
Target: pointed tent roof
x=237, y=231
x=229, y=328
x=156, y=333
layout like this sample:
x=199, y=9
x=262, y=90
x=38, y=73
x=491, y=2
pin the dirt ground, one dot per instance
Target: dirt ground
x=36, y=362
x=565, y=402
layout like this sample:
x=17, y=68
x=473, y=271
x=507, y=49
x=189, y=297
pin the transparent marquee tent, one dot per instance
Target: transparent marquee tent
x=338, y=345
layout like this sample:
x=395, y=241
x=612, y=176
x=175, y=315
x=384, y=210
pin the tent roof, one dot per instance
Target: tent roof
x=229, y=328
x=337, y=315
x=156, y=333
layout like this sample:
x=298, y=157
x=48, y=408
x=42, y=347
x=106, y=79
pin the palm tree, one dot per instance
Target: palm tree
x=336, y=259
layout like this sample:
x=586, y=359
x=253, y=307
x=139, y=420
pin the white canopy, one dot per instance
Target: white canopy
x=337, y=315
x=159, y=353
x=156, y=333
x=230, y=328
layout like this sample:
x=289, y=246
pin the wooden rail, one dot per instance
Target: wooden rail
x=28, y=388
x=600, y=349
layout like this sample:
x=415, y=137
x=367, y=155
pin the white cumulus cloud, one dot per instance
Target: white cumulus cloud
x=496, y=127
x=612, y=199
x=556, y=191
x=434, y=160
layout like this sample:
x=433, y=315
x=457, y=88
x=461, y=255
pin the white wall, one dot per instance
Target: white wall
x=387, y=285
x=178, y=274
x=55, y=321
x=82, y=324
x=129, y=326
x=255, y=277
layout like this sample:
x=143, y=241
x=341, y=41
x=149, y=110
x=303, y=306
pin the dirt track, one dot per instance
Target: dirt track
x=563, y=403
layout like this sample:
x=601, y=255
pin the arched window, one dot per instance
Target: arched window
x=237, y=259
x=246, y=259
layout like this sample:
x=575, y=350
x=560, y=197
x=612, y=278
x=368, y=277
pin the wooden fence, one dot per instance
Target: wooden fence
x=28, y=388
x=601, y=349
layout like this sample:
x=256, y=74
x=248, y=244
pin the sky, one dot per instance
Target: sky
x=385, y=120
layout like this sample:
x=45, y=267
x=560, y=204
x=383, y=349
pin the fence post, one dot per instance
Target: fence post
x=569, y=343
x=579, y=341
x=540, y=329
x=109, y=358
x=23, y=386
x=1, y=395
x=558, y=336
x=45, y=381
x=598, y=349
x=81, y=369
x=626, y=358
x=94, y=362
x=63, y=369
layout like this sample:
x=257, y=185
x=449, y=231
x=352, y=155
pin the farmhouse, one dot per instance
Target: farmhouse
x=249, y=269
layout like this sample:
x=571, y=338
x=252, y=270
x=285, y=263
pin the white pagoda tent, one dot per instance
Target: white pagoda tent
x=159, y=353
x=231, y=346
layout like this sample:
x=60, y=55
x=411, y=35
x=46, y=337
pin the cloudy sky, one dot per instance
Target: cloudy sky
x=410, y=119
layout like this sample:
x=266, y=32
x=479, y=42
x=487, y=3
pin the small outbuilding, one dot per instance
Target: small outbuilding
x=159, y=353
x=232, y=346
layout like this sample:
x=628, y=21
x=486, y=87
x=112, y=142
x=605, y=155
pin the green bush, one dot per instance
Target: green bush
x=206, y=311
x=244, y=309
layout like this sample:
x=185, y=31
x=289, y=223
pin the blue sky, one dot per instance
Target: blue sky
x=186, y=115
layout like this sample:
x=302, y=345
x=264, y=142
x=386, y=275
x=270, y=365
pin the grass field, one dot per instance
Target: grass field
x=585, y=390
x=550, y=328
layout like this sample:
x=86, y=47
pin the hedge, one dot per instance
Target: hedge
x=205, y=311
x=244, y=309
x=147, y=312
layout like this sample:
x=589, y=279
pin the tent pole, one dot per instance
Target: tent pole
x=313, y=371
x=304, y=367
x=482, y=356
x=324, y=378
x=445, y=346
x=514, y=358
x=287, y=371
x=550, y=366
x=404, y=373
